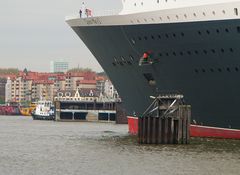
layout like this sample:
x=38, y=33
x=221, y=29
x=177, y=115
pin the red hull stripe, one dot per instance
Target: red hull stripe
x=195, y=130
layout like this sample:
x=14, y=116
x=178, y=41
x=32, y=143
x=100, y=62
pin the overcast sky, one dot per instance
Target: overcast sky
x=32, y=33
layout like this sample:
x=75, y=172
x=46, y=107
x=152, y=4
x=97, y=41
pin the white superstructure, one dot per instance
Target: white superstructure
x=138, y=12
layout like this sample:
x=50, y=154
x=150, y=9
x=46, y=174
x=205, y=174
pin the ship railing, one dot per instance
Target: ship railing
x=95, y=14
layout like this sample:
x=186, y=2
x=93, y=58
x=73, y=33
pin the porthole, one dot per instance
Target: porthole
x=217, y=30
x=174, y=53
x=185, y=15
x=145, y=37
x=224, y=12
x=160, y=18
x=196, y=52
x=138, y=21
x=238, y=29
x=131, y=57
x=226, y=30
x=213, y=51
x=194, y=14
x=167, y=54
x=160, y=54
x=214, y=13
x=222, y=50
x=181, y=53
x=208, y=32
x=219, y=70
x=133, y=40
x=159, y=36
x=152, y=37
x=129, y=62
x=204, y=14
x=205, y=51
x=231, y=49
x=203, y=70
x=139, y=38
x=212, y=70
x=152, y=19
x=177, y=16
x=145, y=20
x=168, y=17
x=199, y=32
x=228, y=69
x=196, y=70
x=166, y=35
x=174, y=35
x=236, y=69
x=182, y=34
x=189, y=52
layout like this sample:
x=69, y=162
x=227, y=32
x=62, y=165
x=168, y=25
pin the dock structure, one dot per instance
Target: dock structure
x=85, y=111
x=166, y=121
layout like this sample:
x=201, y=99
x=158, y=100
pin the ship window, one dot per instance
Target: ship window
x=217, y=31
x=196, y=70
x=236, y=11
x=131, y=57
x=141, y=3
x=174, y=53
x=238, y=29
x=224, y=11
x=152, y=37
x=212, y=70
x=166, y=35
x=205, y=51
x=194, y=14
x=203, y=70
x=157, y=1
x=167, y=54
x=145, y=37
x=160, y=18
x=159, y=36
x=177, y=16
x=189, y=52
x=219, y=70
x=160, y=54
x=227, y=30
x=174, y=35
x=208, y=32
x=204, y=14
x=196, y=52
x=236, y=69
x=213, y=12
x=139, y=38
x=231, y=49
x=213, y=51
x=181, y=53
x=129, y=62
x=168, y=17
x=182, y=34
x=199, y=32
x=222, y=50
x=185, y=15
x=228, y=69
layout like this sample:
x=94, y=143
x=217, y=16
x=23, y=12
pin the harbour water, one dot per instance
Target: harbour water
x=44, y=147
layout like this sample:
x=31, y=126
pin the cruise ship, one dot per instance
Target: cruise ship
x=194, y=47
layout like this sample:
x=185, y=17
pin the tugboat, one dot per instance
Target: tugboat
x=44, y=111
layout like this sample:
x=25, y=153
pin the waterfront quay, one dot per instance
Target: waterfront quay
x=45, y=147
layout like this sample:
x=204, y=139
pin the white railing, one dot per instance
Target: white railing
x=95, y=14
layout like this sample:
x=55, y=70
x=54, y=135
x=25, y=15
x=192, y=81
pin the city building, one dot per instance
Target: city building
x=59, y=66
x=3, y=82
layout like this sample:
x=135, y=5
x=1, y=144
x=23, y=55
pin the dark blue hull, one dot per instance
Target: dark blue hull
x=200, y=60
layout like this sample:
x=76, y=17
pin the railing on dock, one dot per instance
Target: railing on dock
x=166, y=121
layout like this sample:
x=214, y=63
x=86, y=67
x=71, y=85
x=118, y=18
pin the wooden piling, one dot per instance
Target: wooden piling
x=171, y=127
